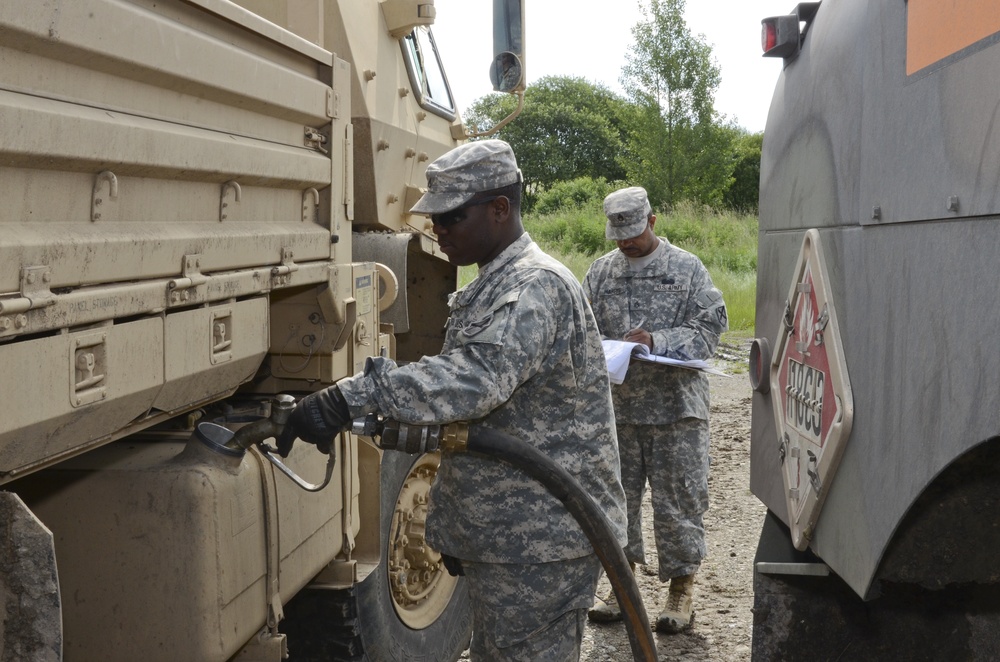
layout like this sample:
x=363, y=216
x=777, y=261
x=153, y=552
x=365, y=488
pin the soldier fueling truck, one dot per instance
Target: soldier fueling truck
x=204, y=205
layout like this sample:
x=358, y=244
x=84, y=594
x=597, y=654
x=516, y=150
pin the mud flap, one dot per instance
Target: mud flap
x=29, y=586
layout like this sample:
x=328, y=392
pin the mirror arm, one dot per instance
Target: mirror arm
x=502, y=123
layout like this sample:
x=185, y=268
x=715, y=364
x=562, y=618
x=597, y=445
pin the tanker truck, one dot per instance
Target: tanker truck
x=204, y=205
x=875, y=420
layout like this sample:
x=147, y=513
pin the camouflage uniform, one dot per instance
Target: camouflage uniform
x=662, y=412
x=522, y=355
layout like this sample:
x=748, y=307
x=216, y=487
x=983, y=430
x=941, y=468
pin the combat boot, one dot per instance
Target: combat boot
x=607, y=609
x=677, y=615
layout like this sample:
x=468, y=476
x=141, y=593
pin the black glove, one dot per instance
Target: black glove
x=453, y=565
x=317, y=419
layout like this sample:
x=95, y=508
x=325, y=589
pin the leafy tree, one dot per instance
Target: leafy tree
x=743, y=193
x=568, y=128
x=679, y=150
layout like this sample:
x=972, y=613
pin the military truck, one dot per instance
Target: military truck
x=203, y=205
x=876, y=430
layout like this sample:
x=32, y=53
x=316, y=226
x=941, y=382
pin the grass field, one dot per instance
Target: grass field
x=725, y=242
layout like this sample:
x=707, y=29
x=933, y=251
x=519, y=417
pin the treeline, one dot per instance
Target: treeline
x=575, y=138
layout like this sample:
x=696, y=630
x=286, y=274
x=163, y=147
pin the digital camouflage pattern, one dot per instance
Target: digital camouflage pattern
x=522, y=355
x=455, y=177
x=509, y=602
x=627, y=211
x=662, y=412
x=675, y=299
x=674, y=458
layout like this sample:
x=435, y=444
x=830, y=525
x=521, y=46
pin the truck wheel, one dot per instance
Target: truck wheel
x=408, y=608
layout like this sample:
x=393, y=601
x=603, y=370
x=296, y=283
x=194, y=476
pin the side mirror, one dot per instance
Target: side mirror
x=508, y=46
x=507, y=71
x=506, y=74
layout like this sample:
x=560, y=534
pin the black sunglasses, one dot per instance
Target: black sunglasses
x=455, y=216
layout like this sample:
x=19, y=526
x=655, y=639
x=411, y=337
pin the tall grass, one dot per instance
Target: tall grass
x=726, y=242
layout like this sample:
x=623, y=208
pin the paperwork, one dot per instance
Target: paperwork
x=619, y=353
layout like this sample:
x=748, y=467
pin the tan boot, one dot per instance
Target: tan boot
x=606, y=609
x=677, y=615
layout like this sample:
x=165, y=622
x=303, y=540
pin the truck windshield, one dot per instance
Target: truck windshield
x=427, y=74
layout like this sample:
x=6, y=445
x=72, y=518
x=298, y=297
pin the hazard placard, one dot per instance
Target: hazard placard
x=810, y=392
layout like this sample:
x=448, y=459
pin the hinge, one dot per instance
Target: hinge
x=281, y=275
x=35, y=293
x=179, y=289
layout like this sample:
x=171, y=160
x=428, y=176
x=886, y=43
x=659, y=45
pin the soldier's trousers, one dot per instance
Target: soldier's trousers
x=674, y=460
x=530, y=612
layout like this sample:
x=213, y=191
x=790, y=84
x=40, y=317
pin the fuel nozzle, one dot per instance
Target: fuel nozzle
x=255, y=433
x=390, y=434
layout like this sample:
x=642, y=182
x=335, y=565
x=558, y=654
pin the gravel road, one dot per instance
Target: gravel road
x=724, y=588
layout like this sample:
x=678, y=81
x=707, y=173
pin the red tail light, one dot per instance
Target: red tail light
x=779, y=35
x=768, y=35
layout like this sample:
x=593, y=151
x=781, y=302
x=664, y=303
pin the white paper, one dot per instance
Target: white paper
x=618, y=353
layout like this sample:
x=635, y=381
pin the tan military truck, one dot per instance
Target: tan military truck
x=203, y=204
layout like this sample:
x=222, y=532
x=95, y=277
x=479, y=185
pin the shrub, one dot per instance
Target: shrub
x=579, y=193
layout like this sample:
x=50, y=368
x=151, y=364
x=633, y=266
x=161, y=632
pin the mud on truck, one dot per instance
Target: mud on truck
x=876, y=425
x=203, y=205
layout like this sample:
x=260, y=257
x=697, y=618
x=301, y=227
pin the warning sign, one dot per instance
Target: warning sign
x=811, y=392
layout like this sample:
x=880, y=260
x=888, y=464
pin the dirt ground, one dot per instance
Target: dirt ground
x=724, y=587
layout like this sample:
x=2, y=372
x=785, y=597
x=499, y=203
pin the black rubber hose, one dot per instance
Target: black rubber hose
x=593, y=521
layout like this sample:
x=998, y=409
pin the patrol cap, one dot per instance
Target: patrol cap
x=627, y=210
x=455, y=177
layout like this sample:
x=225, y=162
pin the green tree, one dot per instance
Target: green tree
x=568, y=128
x=743, y=193
x=679, y=151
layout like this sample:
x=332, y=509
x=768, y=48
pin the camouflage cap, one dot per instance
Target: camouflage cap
x=455, y=177
x=627, y=210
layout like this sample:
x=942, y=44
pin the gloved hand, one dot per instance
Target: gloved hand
x=317, y=419
x=453, y=565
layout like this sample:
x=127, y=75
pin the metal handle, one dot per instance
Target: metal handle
x=271, y=454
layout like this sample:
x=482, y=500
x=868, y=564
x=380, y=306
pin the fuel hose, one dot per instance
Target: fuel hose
x=498, y=445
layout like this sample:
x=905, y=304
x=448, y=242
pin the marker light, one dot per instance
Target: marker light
x=779, y=35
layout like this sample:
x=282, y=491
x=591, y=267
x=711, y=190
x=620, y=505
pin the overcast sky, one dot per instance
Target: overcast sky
x=589, y=39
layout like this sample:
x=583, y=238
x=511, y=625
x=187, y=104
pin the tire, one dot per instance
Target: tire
x=395, y=614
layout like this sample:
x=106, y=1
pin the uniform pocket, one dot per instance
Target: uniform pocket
x=490, y=327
